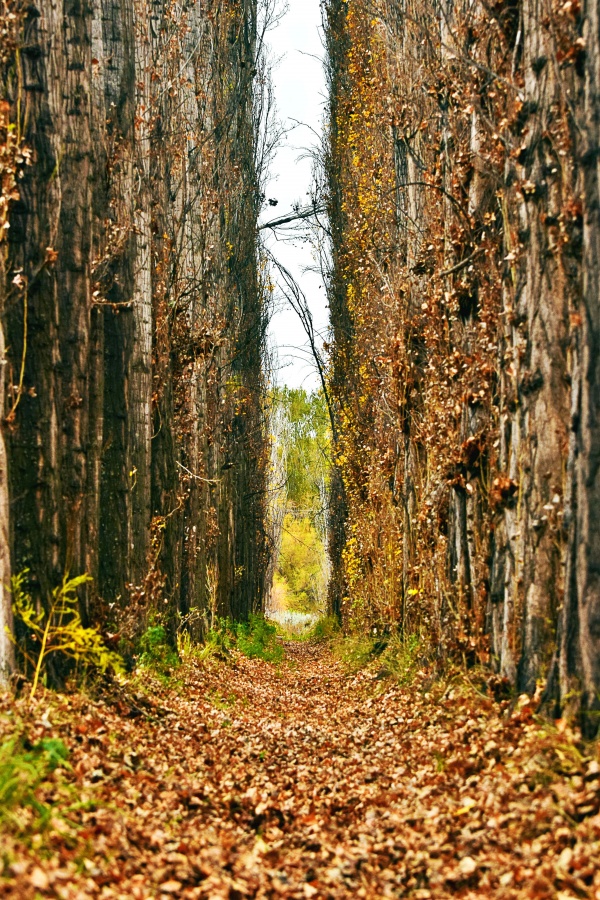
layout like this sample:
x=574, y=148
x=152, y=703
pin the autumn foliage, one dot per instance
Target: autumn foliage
x=457, y=291
x=305, y=781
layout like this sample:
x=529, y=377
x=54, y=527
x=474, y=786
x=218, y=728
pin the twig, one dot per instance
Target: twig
x=461, y=264
x=198, y=477
x=13, y=410
x=305, y=213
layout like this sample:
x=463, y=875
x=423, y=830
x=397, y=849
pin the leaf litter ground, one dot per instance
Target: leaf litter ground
x=244, y=779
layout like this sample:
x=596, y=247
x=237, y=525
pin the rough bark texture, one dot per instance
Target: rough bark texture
x=137, y=449
x=580, y=646
x=49, y=439
x=6, y=623
x=534, y=436
x=465, y=317
x=11, y=161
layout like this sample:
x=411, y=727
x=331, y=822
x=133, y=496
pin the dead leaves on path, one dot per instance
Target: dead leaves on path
x=306, y=782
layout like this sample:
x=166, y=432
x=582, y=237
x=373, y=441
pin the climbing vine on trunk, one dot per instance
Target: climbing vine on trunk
x=462, y=203
x=133, y=308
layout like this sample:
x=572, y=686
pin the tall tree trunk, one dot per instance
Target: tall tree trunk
x=49, y=443
x=580, y=650
x=485, y=265
x=139, y=374
x=540, y=339
x=7, y=659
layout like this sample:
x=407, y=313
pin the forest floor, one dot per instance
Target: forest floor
x=244, y=779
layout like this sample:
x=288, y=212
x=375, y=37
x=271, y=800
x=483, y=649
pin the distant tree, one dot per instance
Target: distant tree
x=307, y=446
x=299, y=525
x=300, y=567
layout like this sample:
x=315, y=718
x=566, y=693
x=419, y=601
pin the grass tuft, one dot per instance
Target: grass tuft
x=325, y=629
x=156, y=652
x=398, y=658
x=257, y=639
x=23, y=770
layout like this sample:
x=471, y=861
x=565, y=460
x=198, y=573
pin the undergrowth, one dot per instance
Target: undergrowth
x=397, y=657
x=56, y=629
x=403, y=659
x=156, y=652
x=325, y=629
x=256, y=639
x=23, y=770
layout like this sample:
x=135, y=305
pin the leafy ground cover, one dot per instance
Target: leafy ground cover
x=306, y=779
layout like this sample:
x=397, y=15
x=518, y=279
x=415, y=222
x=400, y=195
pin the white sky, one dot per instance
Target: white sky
x=299, y=84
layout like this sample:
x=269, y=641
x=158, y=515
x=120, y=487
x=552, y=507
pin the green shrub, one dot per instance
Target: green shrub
x=325, y=629
x=399, y=657
x=257, y=639
x=156, y=652
x=218, y=643
x=22, y=772
x=355, y=651
x=403, y=658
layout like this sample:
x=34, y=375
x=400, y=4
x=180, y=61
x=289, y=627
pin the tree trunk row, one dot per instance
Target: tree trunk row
x=463, y=172
x=136, y=441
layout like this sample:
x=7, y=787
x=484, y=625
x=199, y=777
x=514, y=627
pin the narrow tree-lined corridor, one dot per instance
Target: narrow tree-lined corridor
x=431, y=508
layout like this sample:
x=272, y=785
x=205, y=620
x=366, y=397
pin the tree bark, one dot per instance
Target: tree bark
x=7, y=657
x=50, y=440
x=580, y=649
x=480, y=113
x=137, y=445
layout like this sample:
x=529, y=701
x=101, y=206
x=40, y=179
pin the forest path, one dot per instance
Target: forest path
x=249, y=780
